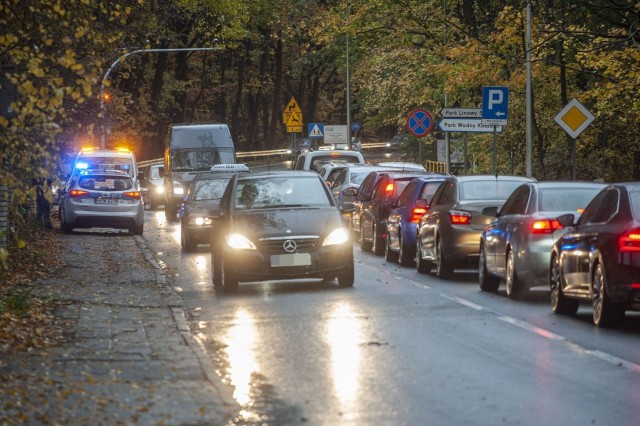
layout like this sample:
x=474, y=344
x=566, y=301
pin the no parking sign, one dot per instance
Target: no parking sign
x=419, y=123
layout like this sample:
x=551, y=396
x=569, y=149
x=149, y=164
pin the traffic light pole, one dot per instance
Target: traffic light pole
x=103, y=141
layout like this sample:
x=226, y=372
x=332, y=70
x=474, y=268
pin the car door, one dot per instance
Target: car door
x=428, y=226
x=578, y=244
x=370, y=206
x=397, y=214
x=500, y=232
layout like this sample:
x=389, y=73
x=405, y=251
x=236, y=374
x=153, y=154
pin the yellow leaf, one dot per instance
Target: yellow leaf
x=20, y=243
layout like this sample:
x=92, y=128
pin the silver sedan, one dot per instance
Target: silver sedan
x=516, y=246
x=449, y=234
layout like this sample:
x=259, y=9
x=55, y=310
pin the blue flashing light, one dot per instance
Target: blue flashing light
x=82, y=165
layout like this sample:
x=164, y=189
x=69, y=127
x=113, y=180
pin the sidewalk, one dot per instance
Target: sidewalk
x=130, y=358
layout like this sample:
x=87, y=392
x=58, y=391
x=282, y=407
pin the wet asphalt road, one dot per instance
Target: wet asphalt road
x=402, y=348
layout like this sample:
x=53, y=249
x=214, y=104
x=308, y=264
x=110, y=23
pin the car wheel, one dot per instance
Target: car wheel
x=560, y=304
x=171, y=212
x=444, y=268
x=405, y=256
x=152, y=204
x=487, y=281
x=186, y=241
x=347, y=277
x=364, y=244
x=229, y=280
x=390, y=255
x=514, y=286
x=423, y=266
x=216, y=270
x=377, y=247
x=605, y=312
x=137, y=229
x=64, y=225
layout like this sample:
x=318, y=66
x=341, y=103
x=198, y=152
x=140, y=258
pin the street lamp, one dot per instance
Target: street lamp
x=349, y=144
x=103, y=141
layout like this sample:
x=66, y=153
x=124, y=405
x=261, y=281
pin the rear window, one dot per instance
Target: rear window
x=321, y=160
x=488, y=189
x=105, y=183
x=428, y=190
x=565, y=199
x=358, y=177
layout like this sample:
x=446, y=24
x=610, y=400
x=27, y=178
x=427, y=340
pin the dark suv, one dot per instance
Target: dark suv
x=374, y=207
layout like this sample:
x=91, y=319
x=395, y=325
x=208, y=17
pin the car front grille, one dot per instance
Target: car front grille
x=276, y=245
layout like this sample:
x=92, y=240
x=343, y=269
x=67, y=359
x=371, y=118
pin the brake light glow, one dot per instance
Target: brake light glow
x=389, y=188
x=630, y=241
x=545, y=226
x=460, y=217
x=635, y=286
x=78, y=193
x=417, y=213
x=132, y=194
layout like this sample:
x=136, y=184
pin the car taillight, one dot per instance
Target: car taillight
x=629, y=241
x=78, y=193
x=389, y=188
x=545, y=226
x=417, y=213
x=132, y=194
x=460, y=218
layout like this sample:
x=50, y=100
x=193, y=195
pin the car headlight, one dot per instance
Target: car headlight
x=200, y=220
x=159, y=189
x=337, y=236
x=239, y=242
x=177, y=188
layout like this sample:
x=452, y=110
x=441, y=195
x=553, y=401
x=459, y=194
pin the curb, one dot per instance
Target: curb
x=224, y=391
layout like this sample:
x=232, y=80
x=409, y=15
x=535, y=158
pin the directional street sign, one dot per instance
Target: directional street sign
x=471, y=125
x=316, y=130
x=461, y=113
x=355, y=126
x=419, y=123
x=495, y=105
x=574, y=118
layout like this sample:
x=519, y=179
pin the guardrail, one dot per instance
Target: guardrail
x=266, y=153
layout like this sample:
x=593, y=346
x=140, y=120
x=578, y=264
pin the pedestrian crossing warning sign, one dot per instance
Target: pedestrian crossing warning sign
x=316, y=130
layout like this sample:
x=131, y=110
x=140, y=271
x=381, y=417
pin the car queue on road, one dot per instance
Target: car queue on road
x=510, y=228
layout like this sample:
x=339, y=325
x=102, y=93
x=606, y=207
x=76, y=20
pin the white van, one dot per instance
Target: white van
x=120, y=159
x=314, y=160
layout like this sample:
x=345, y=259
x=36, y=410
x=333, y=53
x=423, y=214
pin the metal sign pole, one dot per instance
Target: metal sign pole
x=495, y=151
x=573, y=159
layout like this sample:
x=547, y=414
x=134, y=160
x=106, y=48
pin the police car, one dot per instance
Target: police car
x=201, y=202
x=102, y=198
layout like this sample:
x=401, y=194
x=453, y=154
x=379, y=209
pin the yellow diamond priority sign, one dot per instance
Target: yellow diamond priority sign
x=574, y=118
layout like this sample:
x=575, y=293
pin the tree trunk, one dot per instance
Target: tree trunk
x=277, y=94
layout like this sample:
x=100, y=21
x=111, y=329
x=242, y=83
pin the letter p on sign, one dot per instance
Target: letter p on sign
x=495, y=98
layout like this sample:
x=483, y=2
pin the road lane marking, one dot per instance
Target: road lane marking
x=463, y=302
x=603, y=356
x=614, y=360
x=530, y=327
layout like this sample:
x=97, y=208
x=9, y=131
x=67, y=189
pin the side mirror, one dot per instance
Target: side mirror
x=422, y=203
x=567, y=220
x=490, y=211
x=350, y=192
x=347, y=207
x=161, y=171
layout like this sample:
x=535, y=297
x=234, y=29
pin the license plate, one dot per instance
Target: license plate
x=106, y=201
x=293, y=259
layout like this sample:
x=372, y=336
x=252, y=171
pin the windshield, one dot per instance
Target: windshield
x=209, y=189
x=278, y=192
x=200, y=159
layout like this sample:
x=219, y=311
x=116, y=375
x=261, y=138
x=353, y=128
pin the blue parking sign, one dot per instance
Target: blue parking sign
x=495, y=105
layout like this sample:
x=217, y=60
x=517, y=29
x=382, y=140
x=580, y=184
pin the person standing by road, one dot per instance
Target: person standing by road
x=43, y=202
